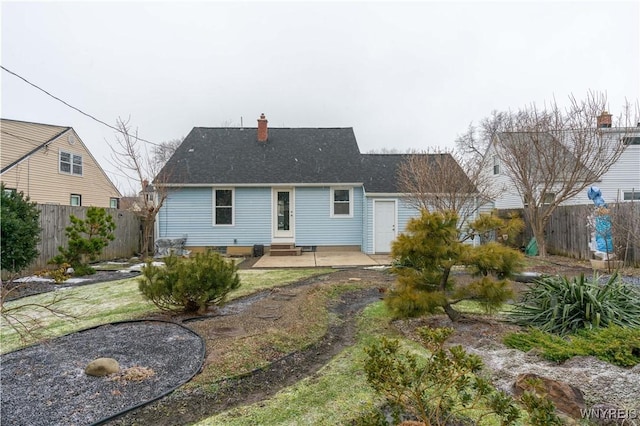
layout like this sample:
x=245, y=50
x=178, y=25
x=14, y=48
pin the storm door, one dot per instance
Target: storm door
x=283, y=213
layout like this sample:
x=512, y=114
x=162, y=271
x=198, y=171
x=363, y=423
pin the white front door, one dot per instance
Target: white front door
x=384, y=220
x=283, y=219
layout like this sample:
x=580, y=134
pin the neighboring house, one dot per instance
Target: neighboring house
x=144, y=199
x=52, y=165
x=309, y=188
x=620, y=183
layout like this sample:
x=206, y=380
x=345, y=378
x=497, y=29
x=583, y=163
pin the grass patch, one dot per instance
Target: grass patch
x=338, y=393
x=255, y=280
x=102, y=303
x=615, y=345
x=91, y=305
x=478, y=308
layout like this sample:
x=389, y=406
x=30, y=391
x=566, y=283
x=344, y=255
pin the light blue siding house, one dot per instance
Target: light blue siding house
x=283, y=189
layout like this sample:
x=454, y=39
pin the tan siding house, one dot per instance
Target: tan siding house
x=52, y=165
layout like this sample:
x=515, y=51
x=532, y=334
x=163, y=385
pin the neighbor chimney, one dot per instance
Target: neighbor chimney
x=604, y=120
x=263, y=131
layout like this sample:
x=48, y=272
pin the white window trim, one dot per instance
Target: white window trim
x=496, y=164
x=233, y=207
x=71, y=157
x=79, y=200
x=332, y=202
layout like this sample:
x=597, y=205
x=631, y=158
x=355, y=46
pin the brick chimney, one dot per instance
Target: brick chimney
x=263, y=131
x=604, y=120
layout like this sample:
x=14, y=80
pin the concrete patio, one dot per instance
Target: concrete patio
x=335, y=259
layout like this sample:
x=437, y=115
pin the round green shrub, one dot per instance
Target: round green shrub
x=20, y=230
x=189, y=285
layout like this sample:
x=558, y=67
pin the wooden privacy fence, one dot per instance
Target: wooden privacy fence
x=55, y=218
x=568, y=233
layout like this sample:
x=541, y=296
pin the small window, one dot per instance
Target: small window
x=631, y=195
x=632, y=140
x=548, y=198
x=70, y=163
x=223, y=206
x=114, y=203
x=76, y=200
x=496, y=165
x=342, y=205
x=10, y=191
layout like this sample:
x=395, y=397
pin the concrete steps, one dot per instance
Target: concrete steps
x=285, y=250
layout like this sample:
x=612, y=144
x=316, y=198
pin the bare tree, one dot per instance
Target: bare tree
x=132, y=158
x=625, y=223
x=445, y=180
x=552, y=154
x=162, y=152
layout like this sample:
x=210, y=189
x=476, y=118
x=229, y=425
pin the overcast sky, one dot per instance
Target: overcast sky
x=403, y=75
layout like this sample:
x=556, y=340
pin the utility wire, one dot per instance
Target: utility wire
x=77, y=109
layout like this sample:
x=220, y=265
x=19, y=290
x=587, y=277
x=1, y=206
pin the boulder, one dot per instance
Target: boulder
x=102, y=367
x=568, y=399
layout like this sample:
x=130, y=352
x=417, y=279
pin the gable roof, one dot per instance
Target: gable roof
x=233, y=156
x=290, y=155
x=20, y=139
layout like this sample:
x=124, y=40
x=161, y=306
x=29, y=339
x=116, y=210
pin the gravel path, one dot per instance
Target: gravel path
x=65, y=395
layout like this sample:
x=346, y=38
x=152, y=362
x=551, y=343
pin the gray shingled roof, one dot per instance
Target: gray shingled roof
x=380, y=171
x=291, y=155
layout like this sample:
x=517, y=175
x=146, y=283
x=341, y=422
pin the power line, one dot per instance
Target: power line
x=77, y=109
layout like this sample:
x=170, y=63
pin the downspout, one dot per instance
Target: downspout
x=363, y=219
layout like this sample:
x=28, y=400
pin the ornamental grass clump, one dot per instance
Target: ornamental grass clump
x=561, y=305
x=189, y=285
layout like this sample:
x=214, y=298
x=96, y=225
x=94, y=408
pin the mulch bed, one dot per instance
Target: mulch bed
x=45, y=384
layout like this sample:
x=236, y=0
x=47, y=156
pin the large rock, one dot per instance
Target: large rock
x=102, y=367
x=568, y=399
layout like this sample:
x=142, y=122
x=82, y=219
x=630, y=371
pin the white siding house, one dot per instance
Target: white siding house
x=621, y=183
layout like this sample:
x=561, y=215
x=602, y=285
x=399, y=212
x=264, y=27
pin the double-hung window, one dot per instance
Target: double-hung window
x=496, y=165
x=223, y=207
x=70, y=163
x=341, y=202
